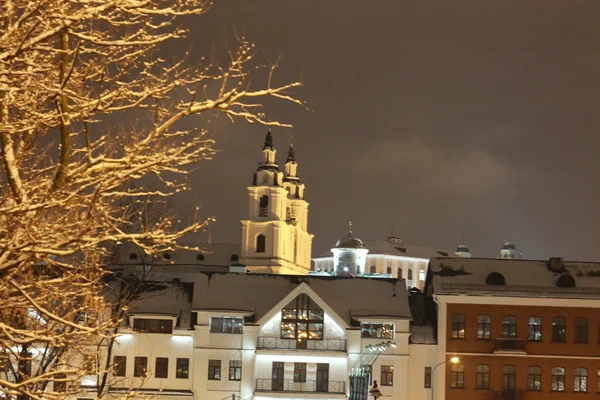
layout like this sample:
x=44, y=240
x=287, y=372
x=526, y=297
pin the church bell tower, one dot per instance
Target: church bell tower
x=275, y=238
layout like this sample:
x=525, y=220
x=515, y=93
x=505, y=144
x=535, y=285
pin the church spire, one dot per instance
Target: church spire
x=269, y=141
x=291, y=166
x=269, y=151
x=291, y=154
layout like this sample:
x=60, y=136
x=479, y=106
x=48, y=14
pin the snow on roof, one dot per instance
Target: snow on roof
x=530, y=278
x=210, y=255
x=395, y=248
x=257, y=294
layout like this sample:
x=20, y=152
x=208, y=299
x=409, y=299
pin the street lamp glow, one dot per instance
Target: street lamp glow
x=454, y=360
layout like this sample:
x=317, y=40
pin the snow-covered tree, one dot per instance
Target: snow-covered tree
x=69, y=71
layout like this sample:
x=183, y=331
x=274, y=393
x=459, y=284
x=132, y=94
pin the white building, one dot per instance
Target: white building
x=390, y=258
x=275, y=238
x=214, y=336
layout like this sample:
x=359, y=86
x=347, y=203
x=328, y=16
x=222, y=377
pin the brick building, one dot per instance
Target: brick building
x=521, y=329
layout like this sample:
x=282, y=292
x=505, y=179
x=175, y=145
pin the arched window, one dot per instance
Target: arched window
x=558, y=379
x=400, y=273
x=410, y=275
x=484, y=327
x=389, y=270
x=535, y=329
x=509, y=326
x=581, y=330
x=263, y=206
x=457, y=376
x=483, y=376
x=235, y=258
x=580, y=380
x=261, y=243
x=200, y=257
x=422, y=275
x=559, y=329
x=508, y=377
x=373, y=269
x=534, y=378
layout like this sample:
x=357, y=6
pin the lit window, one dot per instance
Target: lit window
x=302, y=319
x=183, y=368
x=381, y=331
x=458, y=326
x=559, y=329
x=558, y=379
x=227, y=325
x=422, y=275
x=387, y=375
x=580, y=380
x=509, y=327
x=235, y=370
x=534, y=378
x=535, y=329
x=457, y=376
x=214, y=370
x=484, y=327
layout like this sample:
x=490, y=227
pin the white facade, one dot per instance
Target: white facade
x=275, y=236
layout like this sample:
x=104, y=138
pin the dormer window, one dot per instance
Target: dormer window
x=227, y=325
x=302, y=319
x=148, y=325
x=379, y=331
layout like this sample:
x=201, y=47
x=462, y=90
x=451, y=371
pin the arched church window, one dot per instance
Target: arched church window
x=263, y=206
x=389, y=270
x=261, y=243
x=399, y=273
x=373, y=269
x=410, y=275
x=200, y=257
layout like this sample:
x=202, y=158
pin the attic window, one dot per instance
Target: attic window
x=133, y=256
x=495, y=279
x=200, y=257
x=565, y=281
x=167, y=256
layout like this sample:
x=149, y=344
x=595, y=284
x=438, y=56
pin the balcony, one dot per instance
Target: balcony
x=289, y=386
x=509, y=345
x=271, y=343
x=507, y=394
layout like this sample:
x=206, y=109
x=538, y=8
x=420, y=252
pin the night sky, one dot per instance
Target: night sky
x=448, y=117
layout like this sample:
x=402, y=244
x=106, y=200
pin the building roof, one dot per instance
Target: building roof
x=395, y=248
x=257, y=294
x=510, y=277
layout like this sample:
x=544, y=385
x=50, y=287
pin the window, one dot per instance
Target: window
x=299, y=372
x=387, y=375
x=535, y=329
x=263, y=206
x=458, y=326
x=119, y=365
x=483, y=376
x=89, y=364
x=140, y=366
x=581, y=330
x=509, y=326
x=382, y=331
x=422, y=275
x=389, y=270
x=261, y=243
x=427, y=377
x=200, y=257
x=161, y=367
x=214, y=370
x=558, y=379
x=399, y=273
x=373, y=269
x=235, y=370
x=559, y=329
x=580, y=380
x=457, y=376
x=227, y=325
x=484, y=327
x=410, y=275
x=302, y=319
x=183, y=368
x=508, y=377
x=60, y=383
x=534, y=378
x=153, y=325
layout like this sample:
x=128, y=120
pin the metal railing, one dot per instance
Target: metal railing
x=293, y=344
x=288, y=385
x=517, y=289
x=509, y=344
x=507, y=394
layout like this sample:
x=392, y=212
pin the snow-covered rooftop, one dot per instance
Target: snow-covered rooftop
x=257, y=294
x=529, y=278
x=393, y=247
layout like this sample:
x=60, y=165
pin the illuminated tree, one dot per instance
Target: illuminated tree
x=68, y=70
